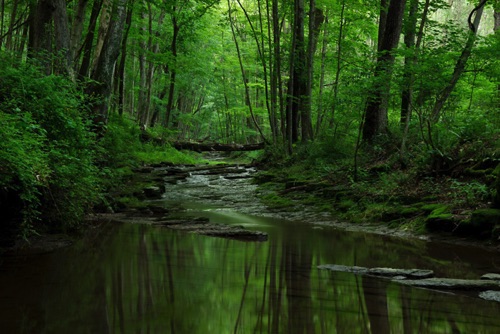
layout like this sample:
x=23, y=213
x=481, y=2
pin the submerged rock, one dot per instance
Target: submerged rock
x=204, y=227
x=491, y=276
x=381, y=272
x=453, y=284
x=490, y=295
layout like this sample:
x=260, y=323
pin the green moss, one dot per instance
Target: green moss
x=429, y=208
x=345, y=205
x=484, y=223
x=273, y=200
x=440, y=219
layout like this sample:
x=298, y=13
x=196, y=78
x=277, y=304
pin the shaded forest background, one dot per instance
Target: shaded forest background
x=381, y=91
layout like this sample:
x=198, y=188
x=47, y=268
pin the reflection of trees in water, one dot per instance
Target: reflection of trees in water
x=375, y=294
x=298, y=257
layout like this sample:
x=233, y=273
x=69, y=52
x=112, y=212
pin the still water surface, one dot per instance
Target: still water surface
x=137, y=278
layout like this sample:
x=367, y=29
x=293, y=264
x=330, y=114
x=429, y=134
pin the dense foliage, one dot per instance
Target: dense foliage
x=366, y=90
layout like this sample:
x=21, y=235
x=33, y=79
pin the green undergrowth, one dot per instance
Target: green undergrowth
x=54, y=170
x=414, y=197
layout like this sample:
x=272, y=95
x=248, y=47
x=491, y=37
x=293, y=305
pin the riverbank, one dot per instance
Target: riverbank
x=390, y=205
x=382, y=197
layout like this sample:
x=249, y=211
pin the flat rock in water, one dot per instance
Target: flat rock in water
x=491, y=276
x=406, y=273
x=453, y=284
x=203, y=227
x=490, y=295
x=381, y=272
x=345, y=269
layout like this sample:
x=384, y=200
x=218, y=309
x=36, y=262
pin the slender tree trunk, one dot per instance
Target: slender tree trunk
x=297, y=85
x=316, y=19
x=13, y=16
x=173, y=69
x=103, y=73
x=273, y=78
x=89, y=40
x=375, y=118
x=278, y=82
x=410, y=27
x=338, y=69
x=104, y=22
x=121, y=65
x=245, y=81
x=77, y=30
x=321, y=110
x=496, y=28
x=62, y=38
x=459, y=68
x=141, y=99
x=261, y=51
x=382, y=23
x=2, y=22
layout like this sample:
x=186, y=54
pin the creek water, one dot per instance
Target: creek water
x=141, y=278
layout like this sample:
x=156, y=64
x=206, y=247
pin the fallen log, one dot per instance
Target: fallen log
x=208, y=147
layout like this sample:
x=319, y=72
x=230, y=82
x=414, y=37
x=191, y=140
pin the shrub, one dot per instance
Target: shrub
x=47, y=151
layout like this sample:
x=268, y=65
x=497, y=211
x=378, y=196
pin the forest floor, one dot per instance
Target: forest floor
x=453, y=206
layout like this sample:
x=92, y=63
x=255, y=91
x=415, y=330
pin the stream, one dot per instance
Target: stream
x=139, y=277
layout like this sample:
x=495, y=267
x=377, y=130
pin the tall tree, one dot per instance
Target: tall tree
x=316, y=19
x=461, y=62
x=410, y=31
x=375, y=118
x=297, y=83
x=102, y=76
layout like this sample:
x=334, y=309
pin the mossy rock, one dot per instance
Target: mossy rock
x=440, y=219
x=398, y=212
x=429, y=208
x=345, y=205
x=484, y=223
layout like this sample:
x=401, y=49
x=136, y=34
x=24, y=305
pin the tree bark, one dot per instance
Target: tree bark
x=89, y=40
x=410, y=27
x=77, y=30
x=375, y=118
x=39, y=32
x=13, y=15
x=316, y=19
x=101, y=88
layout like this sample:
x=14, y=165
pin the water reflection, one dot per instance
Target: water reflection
x=143, y=279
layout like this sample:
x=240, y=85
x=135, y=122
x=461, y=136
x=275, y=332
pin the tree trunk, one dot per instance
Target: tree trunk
x=64, y=63
x=410, y=27
x=89, y=40
x=375, y=122
x=245, y=81
x=103, y=73
x=338, y=69
x=120, y=87
x=77, y=30
x=141, y=99
x=104, y=22
x=276, y=69
x=496, y=28
x=297, y=84
x=2, y=22
x=459, y=68
x=39, y=45
x=13, y=15
x=316, y=19
x=173, y=70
